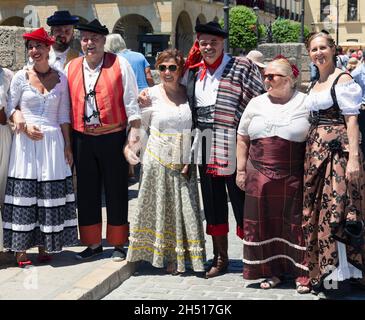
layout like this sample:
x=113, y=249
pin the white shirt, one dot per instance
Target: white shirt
x=57, y=59
x=263, y=119
x=348, y=96
x=206, y=90
x=5, y=79
x=170, y=128
x=49, y=109
x=130, y=89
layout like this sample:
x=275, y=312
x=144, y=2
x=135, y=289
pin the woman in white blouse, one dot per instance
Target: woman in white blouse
x=270, y=155
x=167, y=229
x=5, y=138
x=39, y=206
x=334, y=185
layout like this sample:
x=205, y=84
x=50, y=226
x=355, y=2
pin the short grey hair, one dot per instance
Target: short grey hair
x=114, y=43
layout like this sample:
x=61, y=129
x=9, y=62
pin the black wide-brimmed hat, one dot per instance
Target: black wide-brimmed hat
x=93, y=26
x=211, y=27
x=61, y=18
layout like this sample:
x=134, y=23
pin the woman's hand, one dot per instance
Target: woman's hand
x=144, y=99
x=33, y=132
x=241, y=180
x=68, y=155
x=353, y=168
x=18, y=120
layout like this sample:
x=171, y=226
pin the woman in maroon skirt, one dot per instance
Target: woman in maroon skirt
x=270, y=157
x=334, y=181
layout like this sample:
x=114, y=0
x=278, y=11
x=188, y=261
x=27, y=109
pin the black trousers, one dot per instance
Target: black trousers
x=99, y=161
x=215, y=200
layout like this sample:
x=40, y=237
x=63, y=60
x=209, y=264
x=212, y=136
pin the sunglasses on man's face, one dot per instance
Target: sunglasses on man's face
x=171, y=67
x=271, y=76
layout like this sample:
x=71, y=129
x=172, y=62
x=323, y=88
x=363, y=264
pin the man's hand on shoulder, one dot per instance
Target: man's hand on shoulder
x=144, y=99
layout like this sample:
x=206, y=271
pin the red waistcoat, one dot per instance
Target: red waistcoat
x=108, y=93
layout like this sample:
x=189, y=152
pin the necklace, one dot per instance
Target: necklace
x=42, y=74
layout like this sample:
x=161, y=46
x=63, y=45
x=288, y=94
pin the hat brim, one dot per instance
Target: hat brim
x=259, y=64
x=72, y=21
x=103, y=31
x=48, y=42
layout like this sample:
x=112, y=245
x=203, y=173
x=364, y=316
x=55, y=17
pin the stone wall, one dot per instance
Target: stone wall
x=295, y=52
x=12, y=49
x=13, y=54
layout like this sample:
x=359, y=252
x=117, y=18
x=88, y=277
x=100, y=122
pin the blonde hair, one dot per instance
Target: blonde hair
x=286, y=69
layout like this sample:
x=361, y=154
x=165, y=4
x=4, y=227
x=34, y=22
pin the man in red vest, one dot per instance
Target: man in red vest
x=103, y=92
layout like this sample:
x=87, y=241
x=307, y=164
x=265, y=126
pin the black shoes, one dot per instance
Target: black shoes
x=89, y=253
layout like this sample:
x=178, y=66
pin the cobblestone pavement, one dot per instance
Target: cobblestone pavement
x=150, y=283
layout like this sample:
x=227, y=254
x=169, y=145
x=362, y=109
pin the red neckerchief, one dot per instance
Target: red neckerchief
x=205, y=66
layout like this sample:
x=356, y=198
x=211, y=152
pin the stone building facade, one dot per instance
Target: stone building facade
x=148, y=26
x=348, y=29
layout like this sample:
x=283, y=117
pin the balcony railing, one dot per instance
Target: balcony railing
x=251, y=3
x=269, y=7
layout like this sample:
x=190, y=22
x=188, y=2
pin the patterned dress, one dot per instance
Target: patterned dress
x=39, y=206
x=167, y=227
x=333, y=207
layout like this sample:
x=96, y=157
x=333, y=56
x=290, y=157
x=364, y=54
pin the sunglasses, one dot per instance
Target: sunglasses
x=171, y=67
x=271, y=76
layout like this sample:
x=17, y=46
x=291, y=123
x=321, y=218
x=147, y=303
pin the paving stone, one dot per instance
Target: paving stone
x=190, y=287
x=152, y=291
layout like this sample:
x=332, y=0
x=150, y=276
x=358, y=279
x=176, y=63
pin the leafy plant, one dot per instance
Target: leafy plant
x=284, y=30
x=242, y=28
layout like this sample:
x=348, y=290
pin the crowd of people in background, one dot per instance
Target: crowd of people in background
x=290, y=163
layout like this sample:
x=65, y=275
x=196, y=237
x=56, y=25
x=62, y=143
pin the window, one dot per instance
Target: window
x=325, y=9
x=352, y=10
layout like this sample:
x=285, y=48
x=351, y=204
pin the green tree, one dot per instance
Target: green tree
x=284, y=30
x=242, y=28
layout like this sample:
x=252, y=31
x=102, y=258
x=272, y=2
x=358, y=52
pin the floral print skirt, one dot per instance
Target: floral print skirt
x=334, y=207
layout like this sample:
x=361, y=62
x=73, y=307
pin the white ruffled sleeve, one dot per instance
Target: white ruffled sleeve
x=349, y=95
x=16, y=90
x=245, y=120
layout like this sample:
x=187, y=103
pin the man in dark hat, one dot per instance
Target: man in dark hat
x=219, y=87
x=62, y=28
x=103, y=92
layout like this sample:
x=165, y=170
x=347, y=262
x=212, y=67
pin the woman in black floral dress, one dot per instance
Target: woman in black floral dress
x=334, y=185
